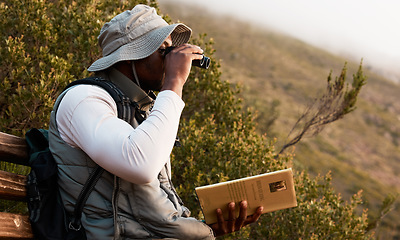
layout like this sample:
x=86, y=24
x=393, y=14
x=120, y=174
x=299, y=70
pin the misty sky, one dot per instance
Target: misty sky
x=368, y=29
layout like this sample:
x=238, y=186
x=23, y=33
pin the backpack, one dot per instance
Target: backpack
x=47, y=215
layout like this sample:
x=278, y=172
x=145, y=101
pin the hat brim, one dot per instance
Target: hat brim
x=144, y=45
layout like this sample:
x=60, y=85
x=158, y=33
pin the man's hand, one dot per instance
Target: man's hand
x=233, y=224
x=177, y=66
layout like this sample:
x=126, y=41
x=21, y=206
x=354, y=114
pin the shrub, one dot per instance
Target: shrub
x=44, y=46
x=47, y=44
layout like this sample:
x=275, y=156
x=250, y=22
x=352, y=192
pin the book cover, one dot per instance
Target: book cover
x=274, y=191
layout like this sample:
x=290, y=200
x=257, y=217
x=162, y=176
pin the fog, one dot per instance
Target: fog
x=355, y=29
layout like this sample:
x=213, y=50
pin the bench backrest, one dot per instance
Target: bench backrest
x=13, y=149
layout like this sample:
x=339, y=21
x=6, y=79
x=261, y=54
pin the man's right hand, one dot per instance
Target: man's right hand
x=177, y=65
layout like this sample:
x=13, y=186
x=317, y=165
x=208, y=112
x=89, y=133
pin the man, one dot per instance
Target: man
x=135, y=198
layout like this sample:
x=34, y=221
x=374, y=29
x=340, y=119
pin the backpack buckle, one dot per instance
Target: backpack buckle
x=72, y=227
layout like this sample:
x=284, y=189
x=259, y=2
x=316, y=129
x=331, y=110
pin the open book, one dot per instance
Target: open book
x=274, y=191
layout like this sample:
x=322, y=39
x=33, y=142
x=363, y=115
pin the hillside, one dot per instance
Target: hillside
x=281, y=75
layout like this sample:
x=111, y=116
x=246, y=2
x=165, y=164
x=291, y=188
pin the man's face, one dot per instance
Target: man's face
x=150, y=70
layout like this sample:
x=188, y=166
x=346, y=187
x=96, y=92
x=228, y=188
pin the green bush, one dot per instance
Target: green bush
x=44, y=46
x=47, y=44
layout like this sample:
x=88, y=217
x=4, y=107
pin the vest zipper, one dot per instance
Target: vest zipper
x=116, y=190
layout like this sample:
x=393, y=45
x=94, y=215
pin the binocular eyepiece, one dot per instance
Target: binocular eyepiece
x=201, y=63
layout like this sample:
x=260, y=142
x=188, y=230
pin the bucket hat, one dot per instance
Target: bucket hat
x=136, y=34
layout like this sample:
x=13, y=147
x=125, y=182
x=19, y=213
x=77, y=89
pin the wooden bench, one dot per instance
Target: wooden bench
x=12, y=187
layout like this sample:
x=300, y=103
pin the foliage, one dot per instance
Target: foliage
x=321, y=214
x=219, y=142
x=281, y=71
x=334, y=104
x=44, y=46
x=47, y=44
x=387, y=206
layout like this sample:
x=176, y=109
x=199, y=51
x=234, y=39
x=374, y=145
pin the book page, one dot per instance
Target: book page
x=274, y=191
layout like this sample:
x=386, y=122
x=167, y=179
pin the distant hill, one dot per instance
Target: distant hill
x=281, y=75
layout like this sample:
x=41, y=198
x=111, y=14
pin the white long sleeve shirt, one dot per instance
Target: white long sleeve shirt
x=87, y=119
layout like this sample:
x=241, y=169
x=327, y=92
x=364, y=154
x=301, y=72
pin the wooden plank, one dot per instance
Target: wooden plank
x=13, y=149
x=15, y=226
x=12, y=186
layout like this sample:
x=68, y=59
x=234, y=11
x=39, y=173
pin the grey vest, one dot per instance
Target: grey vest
x=117, y=209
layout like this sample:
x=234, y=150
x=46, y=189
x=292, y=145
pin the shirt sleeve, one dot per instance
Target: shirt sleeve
x=87, y=119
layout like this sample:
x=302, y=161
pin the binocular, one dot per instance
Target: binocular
x=201, y=63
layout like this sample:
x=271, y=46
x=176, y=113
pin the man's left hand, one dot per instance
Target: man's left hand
x=233, y=224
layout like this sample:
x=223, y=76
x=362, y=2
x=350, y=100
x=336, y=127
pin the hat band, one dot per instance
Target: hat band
x=110, y=45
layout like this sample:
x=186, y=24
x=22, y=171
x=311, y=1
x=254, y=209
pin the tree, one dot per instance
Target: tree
x=47, y=44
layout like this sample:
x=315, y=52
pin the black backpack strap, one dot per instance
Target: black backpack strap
x=124, y=108
x=75, y=219
x=124, y=105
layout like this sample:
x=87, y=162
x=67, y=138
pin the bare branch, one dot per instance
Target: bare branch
x=338, y=100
